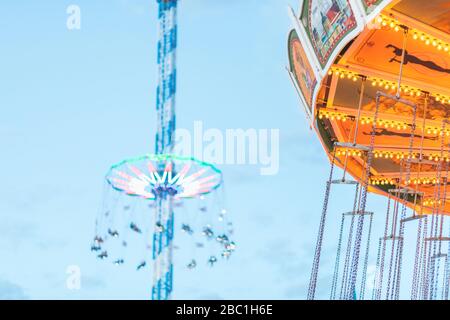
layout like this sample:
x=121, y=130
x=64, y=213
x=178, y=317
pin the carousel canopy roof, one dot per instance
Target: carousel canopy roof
x=371, y=50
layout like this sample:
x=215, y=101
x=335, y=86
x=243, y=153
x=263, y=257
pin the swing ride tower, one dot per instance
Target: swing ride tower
x=160, y=182
x=373, y=79
x=165, y=113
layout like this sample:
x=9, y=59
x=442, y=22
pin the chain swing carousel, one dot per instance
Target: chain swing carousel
x=373, y=78
x=136, y=223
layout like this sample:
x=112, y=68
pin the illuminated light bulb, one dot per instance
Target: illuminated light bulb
x=446, y=48
x=434, y=43
x=349, y=75
x=355, y=78
x=439, y=47
x=336, y=72
x=379, y=19
x=427, y=41
x=396, y=28
x=374, y=83
x=392, y=24
x=342, y=76
x=344, y=119
x=330, y=72
x=415, y=36
x=422, y=37
x=418, y=93
x=384, y=23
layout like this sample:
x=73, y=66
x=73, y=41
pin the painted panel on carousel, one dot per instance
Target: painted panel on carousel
x=381, y=50
x=371, y=5
x=302, y=69
x=327, y=22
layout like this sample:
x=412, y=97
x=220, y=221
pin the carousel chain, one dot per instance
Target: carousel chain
x=447, y=275
x=394, y=241
x=318, y=249
x=345, y=273
x=362, y=204
x=338, y=258
x=391, y=260
x=419, y=240
x=415, y=279
x=377, y=268
x=403, y=214
x=431, y=283
x=379, y=286
x=422, y=291
x=366, y=260
x=441, y=225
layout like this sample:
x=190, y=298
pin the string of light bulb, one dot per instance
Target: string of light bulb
x=387, y=84
x=398, y=155
x=391, y=181
x=382, y=181
x=427, y=39
x=431, y=202
x=385, y=123
x=377, y=181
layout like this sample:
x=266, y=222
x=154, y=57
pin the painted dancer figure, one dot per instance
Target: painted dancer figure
x=409, y=58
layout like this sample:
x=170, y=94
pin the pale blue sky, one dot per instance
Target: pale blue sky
x=75, y=102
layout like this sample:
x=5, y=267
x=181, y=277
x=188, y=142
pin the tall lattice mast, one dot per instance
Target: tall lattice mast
x=161, y=181
x=165, y=108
